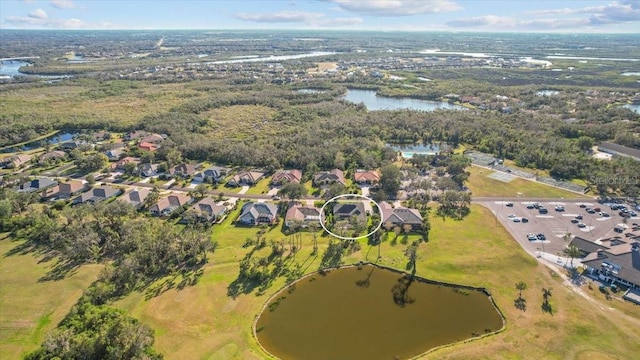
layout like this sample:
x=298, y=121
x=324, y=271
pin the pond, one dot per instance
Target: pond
x=374, y=102
x=11, y=68
x=369, y=312
x=633, y=107
x=421, y=149
x=51, y=140
x=310, y=91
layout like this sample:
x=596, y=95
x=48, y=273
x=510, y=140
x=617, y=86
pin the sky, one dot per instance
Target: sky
x=568, y=16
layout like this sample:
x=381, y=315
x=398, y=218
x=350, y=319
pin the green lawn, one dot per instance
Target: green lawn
x=481, y=184
x=262, y=187
x=202, y=322
x=29, y=308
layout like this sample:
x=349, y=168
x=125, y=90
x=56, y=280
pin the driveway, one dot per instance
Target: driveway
x=243, y=190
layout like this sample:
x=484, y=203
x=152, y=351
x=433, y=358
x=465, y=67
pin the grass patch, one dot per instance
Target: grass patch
x=203, y=322
x=30, y=308
x=262, y=187
x=481, y=184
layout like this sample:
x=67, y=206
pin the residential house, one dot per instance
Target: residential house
x=135, y=135
x=115, y=154
x=51, y=156
x=349, y=210
x=183, y=170
x=97, y=194
x=71, y=144
x=36, y=185
x=212, y=174
x=246, y=178
x=15, y=161
x=254, y=213
x=167, y=205
x=206, y=210
x=401, y=216
x=303, y=215
x=148, y=170
x=152, y=138
x=366, y=177
x=146, y=146
x=285, y=176
x=101, y=136
x=119, y=165
x=329, y=177
x=65, y=190
x=619, y=263
x=135, y=197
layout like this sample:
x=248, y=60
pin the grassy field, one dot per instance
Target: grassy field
x=481, y=184
x=29, y=307
x=202, y=322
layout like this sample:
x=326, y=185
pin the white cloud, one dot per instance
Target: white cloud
x=63, y=4
x=397, y=7
x=510, y=23
x=280, y=17
x=308, y=18
x=38, y=14
x=47, y=23
x=615, y=12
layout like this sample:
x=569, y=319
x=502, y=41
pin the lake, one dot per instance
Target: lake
x=371, y=313
x=421, y=149
x=374, y=102
x=11, y=68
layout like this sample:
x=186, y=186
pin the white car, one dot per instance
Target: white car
x=511, y=216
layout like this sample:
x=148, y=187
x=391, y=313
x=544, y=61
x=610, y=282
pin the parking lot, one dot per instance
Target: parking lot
x=520, y=221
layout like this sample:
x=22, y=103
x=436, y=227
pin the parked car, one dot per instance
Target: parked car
x=559, y=208
x=531, y=237
x=543, y=210
x=509, y=204
x=575, y=221
x=579, y=217
x=581, y=225
x=604, y=214
x=541, y=236
x=530, y=206
x=524, y=220
x=591, y=211
x=582, y=206
x=516, y=219
x=511, y=216
x=597, y=209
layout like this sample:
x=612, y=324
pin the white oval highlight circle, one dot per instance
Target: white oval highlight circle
x=350, y=196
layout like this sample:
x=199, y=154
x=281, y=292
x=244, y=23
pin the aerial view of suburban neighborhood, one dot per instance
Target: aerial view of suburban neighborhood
x=319, y=179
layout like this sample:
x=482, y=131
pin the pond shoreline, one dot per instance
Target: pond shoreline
x=397, y=271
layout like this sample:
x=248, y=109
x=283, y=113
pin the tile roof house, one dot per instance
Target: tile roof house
x=97, y=194
x=119, y=165
x=212, y=174
x=65, y=190
x=285, y=176
x=137, y=134
x=147, y=146
x=135, y=197
x=401, y=216
x=254, y=213
x=366, y=177
x=167, y=205
x=347, y=210
x=51, y=156
x=37, y=185
x=15, y=161
x=207, y=210
x=329, y=177
x=304, y=215
x=246, y=178
x=152, y=138
x=182, y=170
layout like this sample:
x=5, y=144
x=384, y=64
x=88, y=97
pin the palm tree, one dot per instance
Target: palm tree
x=573, y=252
x=521, y=286
x=546, y=294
